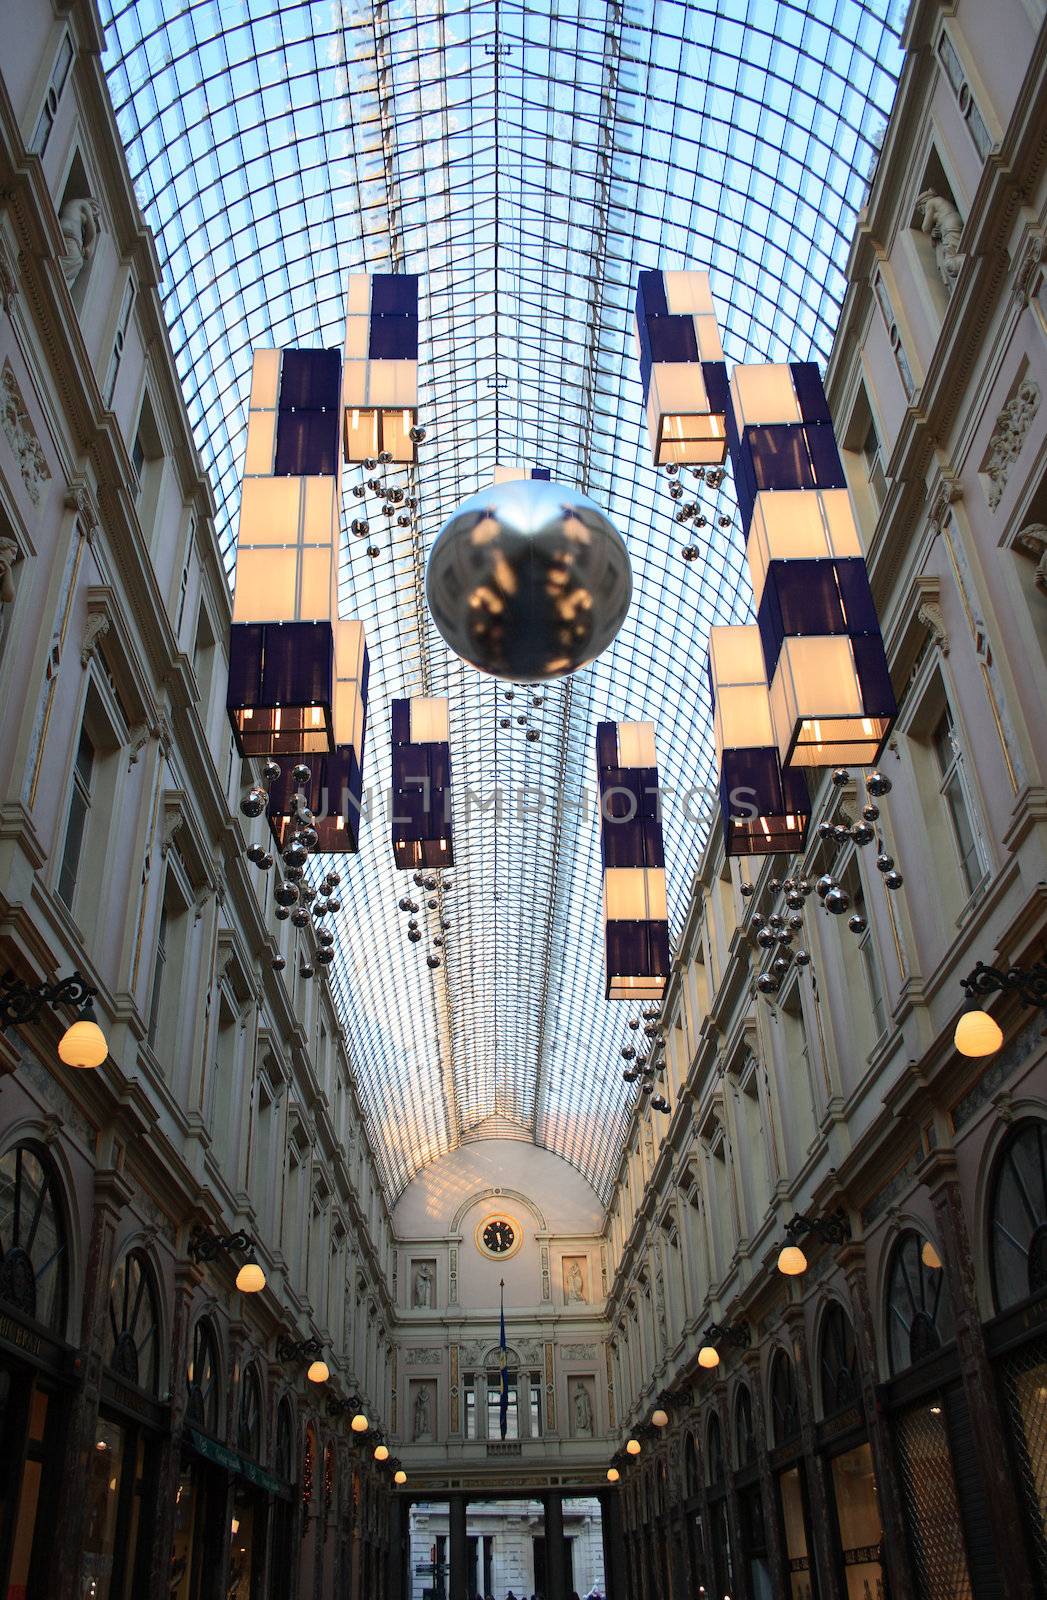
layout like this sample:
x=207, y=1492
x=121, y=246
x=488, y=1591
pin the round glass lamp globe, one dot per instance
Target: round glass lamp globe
x=633, y=1447
x=613, y=1474
x=400, y=1476
x=359, y=1423
x=381, y=1452
x=708, y=1357
x=318, y=1372
x=977, y=1034
x=528, y=580
x=660, y=1418
x=792, y=1261
x=250, y=1279
x=83, y=1045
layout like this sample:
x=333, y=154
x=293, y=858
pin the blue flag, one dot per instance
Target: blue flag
x=503, y=1400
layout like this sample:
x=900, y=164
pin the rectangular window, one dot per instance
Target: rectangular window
x=883, y=299
x=494, y=1395
x=79, y=806
x=470, y=1406
x=123, y=323
x=46, y=119
x=953, y=69
x=158, y=978
x=954, y=794
x=138, y=458
x=874, y=464
x=536, y=1406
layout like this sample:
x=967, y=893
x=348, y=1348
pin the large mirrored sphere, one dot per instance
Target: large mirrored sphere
x=528, y=580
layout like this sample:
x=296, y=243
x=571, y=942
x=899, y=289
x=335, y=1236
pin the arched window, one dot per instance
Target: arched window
x=785, y=1404
x=203, y=1378
x=691, y=1478
x=744, y=1438
x=34, y=1257
x=249, y=1416
x=283, y=1455
x=714, y=1451
x=838, y=1361
x=919, y=1319
x=1018, y=1216
x=133, y=1337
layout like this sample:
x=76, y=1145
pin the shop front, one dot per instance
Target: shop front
x=843, y=1443
x=790, y=1476
x=37, y=1366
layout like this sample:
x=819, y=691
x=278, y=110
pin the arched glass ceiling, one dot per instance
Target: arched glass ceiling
x=526, y=161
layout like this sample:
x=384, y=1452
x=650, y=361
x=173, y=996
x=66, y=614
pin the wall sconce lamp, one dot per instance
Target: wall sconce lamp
x=977, y=1033
x=717, y=1333
x=300, y=1350
x=834, y=1229
x=207, y=1246
x=83, y=1044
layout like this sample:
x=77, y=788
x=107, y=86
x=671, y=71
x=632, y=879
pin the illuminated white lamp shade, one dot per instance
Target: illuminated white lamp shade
x=421, y=783
x=613, y=1475
x=381, y=1452
x=660, y=1418
x=764, y=808
x=359, y=1424
x=930, y=1257
x=633, y=1447
x=792, y=1261
x=636, y=917
x=250, y=1279
x=400, y=1476
x=380, y=376
x=83, y=1044
x=977, y=1034
x=289, y=657
x=708, y=1357
x=318, y=1372
x=831, y=698
x=682, y=368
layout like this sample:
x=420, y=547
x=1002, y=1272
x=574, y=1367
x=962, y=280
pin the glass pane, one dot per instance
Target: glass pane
x=858, y=1519
x=794, y=1524
x=103, y=1500
x=932, y=1512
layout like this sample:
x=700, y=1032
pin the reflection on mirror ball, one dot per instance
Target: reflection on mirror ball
x=528, y=580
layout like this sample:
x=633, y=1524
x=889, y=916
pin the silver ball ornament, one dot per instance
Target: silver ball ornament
x=862, y=834
x=825, y=830
x=837, y=901
x=300, y=917
x=841, y=777
x=767, y=983
x=282, y=913
x=294, y=854
x=254, y=853
x=528, y=580
x=300, y=775
x=802, y=958
x=893, y=880
x=325, y=955
x=765, y=938
x=279, y=963
x=779, y=966
x=286, y=894
x=857, y=923
x=824, y=885
x=254, y=802
x=306, y=970
x=878, y=784
x=884, y=862
x=870, y=813
x=271, y=770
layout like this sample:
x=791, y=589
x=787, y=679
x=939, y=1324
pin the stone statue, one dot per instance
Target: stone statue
x=423, y=1286
x=81, y=222
x=9, y=555
x=943, y=224
x=583, y=1412
x=575, y=1283
x=423, y=1422
x=1008, y=436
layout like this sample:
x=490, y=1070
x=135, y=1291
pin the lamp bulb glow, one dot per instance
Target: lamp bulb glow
x=250, y=1279
x=613, y=1474
x=977, y=1034
x=660, y=1418
x=633, y=1447
x=318, y=1372
x=930, y=1257
x=792, y=1261
x=359, y=1423
x=381, y=1452
x=708, y=1357
x=83, y=1045
x=400, y=1476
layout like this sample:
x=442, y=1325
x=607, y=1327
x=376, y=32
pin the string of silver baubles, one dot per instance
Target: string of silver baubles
x=648, y=1062
x=691, y=511
x=297, y=900
x=535, y=700
x=394, y=500
x=778, y=932
x=434, y=887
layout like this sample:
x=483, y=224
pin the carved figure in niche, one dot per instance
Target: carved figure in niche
x=9, y=555
x=423, y=1286
x=943, y=224
x=423, y=1414
x=1008, y=436
x=81, y=222
x=1033, y=540
x=574, y=1283
x=583, y=1412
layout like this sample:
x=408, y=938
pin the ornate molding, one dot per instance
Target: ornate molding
x=1025, y=273
x=21, y=435
x=80, y=499
x=497, y=1193
x=10, y=555
x=931, y=615
x=8, y=280
x=96, y=628
x=1032, y=541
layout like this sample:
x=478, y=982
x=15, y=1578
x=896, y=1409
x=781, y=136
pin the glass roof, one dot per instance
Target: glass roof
x=526, y=161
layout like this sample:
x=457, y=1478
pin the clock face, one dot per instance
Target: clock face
x=498, y=1237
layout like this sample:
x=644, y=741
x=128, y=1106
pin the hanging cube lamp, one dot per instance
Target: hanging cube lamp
x=636, y=917
x=380, y=375
x=764, y=808
x=297, y=674
x=682, y=368
x=421, y=783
